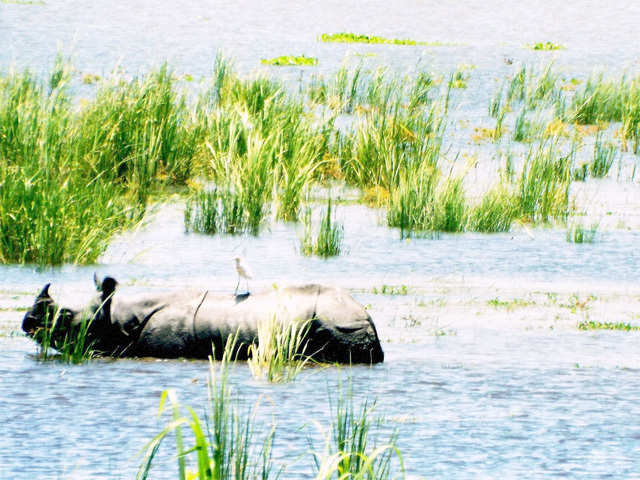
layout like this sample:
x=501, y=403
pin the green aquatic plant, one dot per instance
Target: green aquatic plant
x=390, y=290
x=280, y=354
x=350, y=451
x=579, y=233
x=61, y=340
x=328, y=241
x=546, y=46
x=223, y=443
x=496, y=211
x=595, y=325
x=604, y=154
x=543, y=186
x=345, y=37
x=289, y=60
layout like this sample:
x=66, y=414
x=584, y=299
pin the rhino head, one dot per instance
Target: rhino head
x=48, y=323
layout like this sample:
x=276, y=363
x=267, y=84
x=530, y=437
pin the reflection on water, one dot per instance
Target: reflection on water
x=479, y=404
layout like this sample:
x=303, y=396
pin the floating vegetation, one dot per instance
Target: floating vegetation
x=289, y=60
x=23, y=2
x=595, y=325
x=390, y=290
x=510, y=304
x=90, y=78
x=344, y=37
x=579, y=233
x=545, y=46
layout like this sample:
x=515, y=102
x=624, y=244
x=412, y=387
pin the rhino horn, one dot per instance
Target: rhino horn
x=45, y=291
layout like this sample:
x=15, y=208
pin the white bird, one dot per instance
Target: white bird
x=243, y=272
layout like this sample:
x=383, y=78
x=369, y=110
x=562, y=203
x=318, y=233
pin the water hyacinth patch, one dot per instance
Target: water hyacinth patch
x=346, y=37
x=545, y=46
x=289, y=60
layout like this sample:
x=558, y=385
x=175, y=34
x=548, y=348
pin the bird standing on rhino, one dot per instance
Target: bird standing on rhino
x=197, y=323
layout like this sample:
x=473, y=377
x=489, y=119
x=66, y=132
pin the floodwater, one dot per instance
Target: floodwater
x=473, y=391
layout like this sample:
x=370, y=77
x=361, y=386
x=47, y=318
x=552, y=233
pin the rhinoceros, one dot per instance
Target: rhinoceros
x=194, y=323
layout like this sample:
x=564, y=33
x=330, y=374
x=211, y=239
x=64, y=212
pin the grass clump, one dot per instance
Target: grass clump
x=578, y=233
x=328, y=241
x=495, y=213
x=289, y=60
x=543, y=186
x=56, y=206
x=280, y=354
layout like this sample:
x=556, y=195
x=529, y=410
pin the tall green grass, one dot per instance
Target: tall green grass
x=55, y=206
x=604, y=154
x=544, y=182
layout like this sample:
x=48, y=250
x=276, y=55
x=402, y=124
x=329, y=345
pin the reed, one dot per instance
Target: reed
x=599, y=100
x=411, y=203
x=53, y=209
x=543, y=186
x=495, y=213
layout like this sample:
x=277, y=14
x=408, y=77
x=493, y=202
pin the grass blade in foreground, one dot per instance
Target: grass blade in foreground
x=223, y=443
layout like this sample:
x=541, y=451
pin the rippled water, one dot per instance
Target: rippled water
x=485, y=402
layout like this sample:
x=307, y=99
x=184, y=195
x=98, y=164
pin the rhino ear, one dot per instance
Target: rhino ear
x=45, y=292
x=108, y=286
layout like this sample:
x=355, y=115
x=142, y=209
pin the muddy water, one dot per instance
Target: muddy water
x=486, y=374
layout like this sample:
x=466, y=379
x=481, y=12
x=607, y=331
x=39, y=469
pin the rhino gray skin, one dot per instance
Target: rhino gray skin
x=188, y=323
